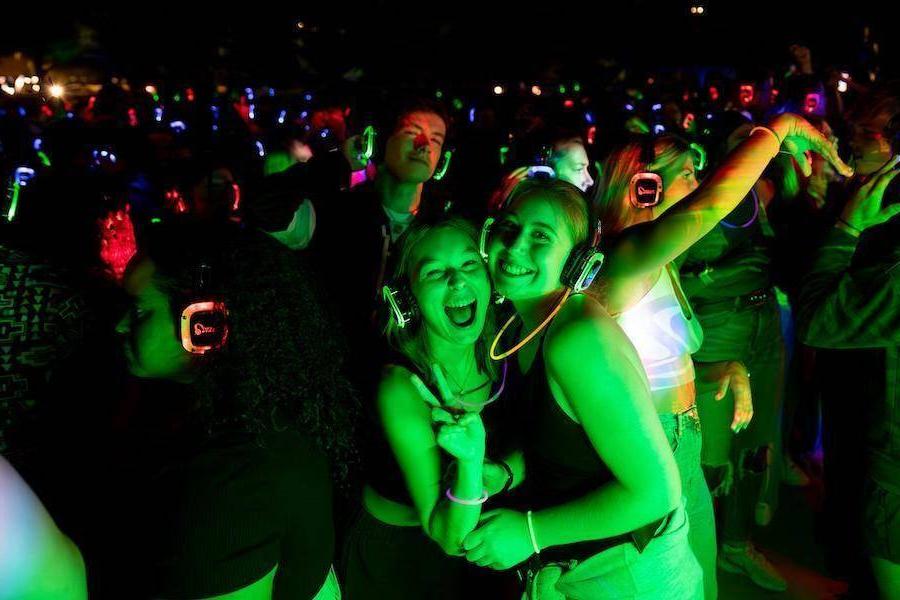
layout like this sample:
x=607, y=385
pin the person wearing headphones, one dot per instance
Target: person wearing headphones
x=653, y=211
x=427, y=477
x=602, y=506
x=228, y=468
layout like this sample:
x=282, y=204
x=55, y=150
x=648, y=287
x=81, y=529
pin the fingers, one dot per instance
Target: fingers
x=424, y=391
x=889, y=213
x=799, y=156
x=472, y=541
x=827, y=149
x=885, y=178
x=439, y=415
x=723, y=387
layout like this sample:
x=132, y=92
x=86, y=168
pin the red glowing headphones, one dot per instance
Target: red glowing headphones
x=646, y=188
x=204, y=322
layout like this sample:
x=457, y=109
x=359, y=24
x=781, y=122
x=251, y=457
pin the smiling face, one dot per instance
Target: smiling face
x=148, y=333
x=413, y=150
x=570, y=161
x=450, y=284
x=528, y=248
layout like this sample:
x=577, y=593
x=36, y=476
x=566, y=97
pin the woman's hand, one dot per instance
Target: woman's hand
x=501, y=540
x=734, y=375
x=865, y=209
x=495, y=477
x=460, y=437
x=798, y=137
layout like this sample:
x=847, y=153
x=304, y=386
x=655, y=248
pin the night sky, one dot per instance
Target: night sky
x=441, y=42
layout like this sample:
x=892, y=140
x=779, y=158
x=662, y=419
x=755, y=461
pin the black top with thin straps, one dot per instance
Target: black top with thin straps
x=383, y=471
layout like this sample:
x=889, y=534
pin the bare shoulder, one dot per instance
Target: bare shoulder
x=583, y=324
x=396, y=391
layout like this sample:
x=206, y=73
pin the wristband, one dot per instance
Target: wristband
x=534, y=544
x=474, y=502
x=768, y=132
x=509, y=476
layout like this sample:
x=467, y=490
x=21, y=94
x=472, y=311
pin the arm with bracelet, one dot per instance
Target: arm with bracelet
x=644, y=248
x=447, y=513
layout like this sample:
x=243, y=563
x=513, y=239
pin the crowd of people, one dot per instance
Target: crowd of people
x=260, y=344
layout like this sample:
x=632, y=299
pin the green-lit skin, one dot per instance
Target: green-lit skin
x=446, y=270
x=596, y=378
x=37, y=562
x=152, y=349
x=570, y=161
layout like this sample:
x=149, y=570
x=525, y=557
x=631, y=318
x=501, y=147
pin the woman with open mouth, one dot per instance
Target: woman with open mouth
x=602, y=488
x=428, y=477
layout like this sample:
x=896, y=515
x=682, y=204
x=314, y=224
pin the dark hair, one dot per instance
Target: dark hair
x=281, y=367
x=408, y=340
x=411, y=105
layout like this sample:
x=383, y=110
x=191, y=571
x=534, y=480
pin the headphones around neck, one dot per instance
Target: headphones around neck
x=584, y=261
x=646, y=187
x=204, y=321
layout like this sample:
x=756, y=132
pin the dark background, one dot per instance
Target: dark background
x=440, y=42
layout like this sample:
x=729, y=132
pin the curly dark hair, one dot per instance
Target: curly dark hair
x=282, y=365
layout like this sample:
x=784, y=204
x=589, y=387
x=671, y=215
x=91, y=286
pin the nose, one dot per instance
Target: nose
x=588, y=180
x=420, y=142
x=456, y=280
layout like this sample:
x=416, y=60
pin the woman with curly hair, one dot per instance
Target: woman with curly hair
x=237, y=496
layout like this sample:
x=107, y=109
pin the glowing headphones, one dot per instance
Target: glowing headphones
x=366, y=150
x=584, y=261
x=402, y=308
x=204, y=322
x=20, y=178
x=646, y=187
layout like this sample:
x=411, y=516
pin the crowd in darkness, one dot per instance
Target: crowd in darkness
x=551, y=340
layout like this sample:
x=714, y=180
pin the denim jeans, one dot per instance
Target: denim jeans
x=686, y=441
x=665, y=570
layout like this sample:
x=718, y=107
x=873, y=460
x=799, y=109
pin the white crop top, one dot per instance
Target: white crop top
x=664, y=331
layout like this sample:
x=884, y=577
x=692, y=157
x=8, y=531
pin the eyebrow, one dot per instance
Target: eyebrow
x=544, y=225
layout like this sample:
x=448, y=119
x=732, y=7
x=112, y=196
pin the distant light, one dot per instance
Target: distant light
x=158, y=114
x=498, y=90
x=659, y=128
x=249, y=93
x=845, y=75
x=281, y=117
x=472, y=115
x=301, y=25
x=308, y=97
x=700, y=10
x=589, y=117
x=562, y=89
x=178, y=126
x=656, y=107
x=842, y=86
x=576, y=87
x=38, y=142
x=324, y=133
x=8, y=89
x=536, y=90
x=56, y=90
x=35, y=88
x=629, y=107
x=693, y=10
x=260, y=149
x=304, y=114
x=150, y=89
x=252, y=112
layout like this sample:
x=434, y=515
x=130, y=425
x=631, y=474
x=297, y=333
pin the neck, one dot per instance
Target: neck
x=396, y=195
x=533, y=311
x=448, y=355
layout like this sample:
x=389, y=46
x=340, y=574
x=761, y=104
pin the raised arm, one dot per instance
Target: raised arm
x=645, y=248
x=408, y=424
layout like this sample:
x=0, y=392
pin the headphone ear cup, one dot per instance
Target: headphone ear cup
x=440, y=170
x=204, y=326
x=582, y=266
x=402, y=307
x=645, y=190
x=483, y=238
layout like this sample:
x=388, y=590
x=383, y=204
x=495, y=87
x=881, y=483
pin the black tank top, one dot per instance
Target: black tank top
x=561, y=463
x=382, y=470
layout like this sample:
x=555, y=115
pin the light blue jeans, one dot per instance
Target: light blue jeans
x=665, y=570
x=686, y=441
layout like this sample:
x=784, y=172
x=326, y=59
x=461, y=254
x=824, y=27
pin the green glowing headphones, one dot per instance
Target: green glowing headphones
x=403, y=311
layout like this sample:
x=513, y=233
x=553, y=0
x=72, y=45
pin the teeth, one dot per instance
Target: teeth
x=460, y=304
x=513, y=269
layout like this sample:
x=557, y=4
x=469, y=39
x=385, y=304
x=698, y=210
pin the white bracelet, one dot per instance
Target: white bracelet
x=534, y=543
x=769, y=132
